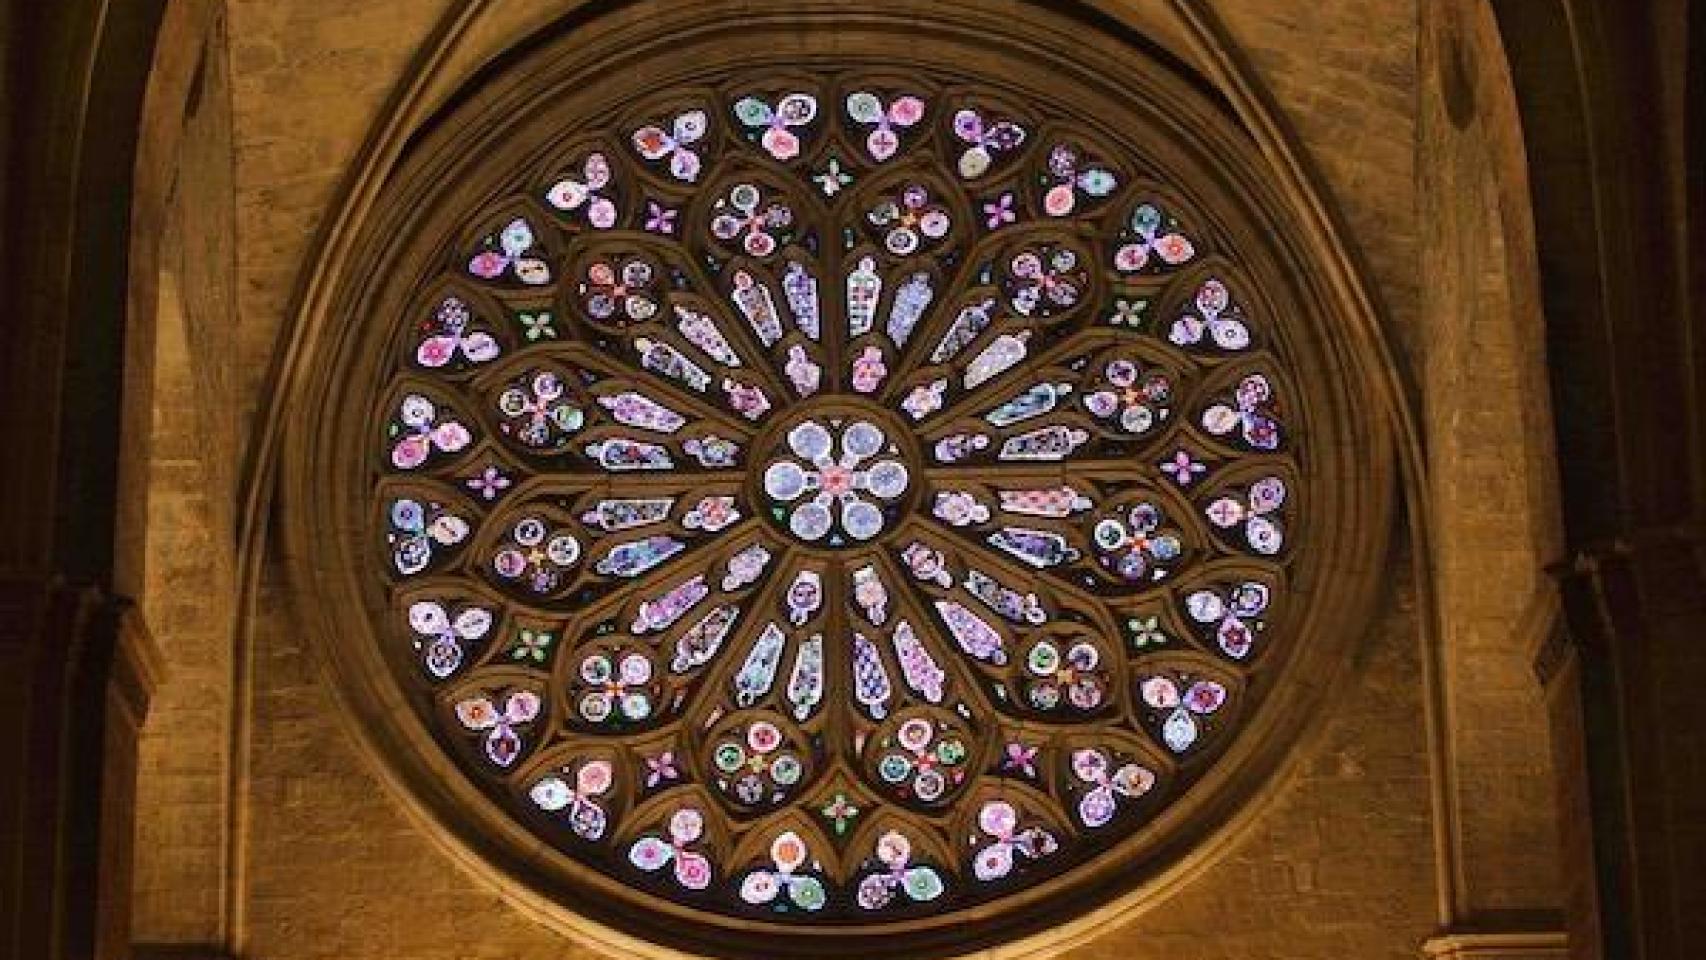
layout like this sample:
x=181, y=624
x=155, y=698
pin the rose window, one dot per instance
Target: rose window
x=854, y=486
x=840, y=500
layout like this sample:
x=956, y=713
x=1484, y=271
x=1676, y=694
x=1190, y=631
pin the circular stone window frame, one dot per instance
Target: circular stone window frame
x=462, y=161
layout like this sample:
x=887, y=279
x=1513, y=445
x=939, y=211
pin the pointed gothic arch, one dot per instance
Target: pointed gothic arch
x=432, y=207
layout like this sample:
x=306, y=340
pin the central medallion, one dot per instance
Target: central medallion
x=836, y=476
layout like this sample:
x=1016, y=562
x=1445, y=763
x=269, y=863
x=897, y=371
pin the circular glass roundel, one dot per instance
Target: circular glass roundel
x=839, y=498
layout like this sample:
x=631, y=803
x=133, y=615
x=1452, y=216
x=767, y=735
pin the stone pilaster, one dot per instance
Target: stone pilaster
x=1623, y=684
x=77, y=669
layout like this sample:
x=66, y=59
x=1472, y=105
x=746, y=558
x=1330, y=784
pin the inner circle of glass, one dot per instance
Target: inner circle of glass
x=839, y=497
x=837, y=475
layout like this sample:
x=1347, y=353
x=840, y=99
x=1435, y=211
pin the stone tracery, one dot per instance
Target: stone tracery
x=885, y=517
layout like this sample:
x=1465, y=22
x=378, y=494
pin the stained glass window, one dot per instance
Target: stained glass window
x=837, y=497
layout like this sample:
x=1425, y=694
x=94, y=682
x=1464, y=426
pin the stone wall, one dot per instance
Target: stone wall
x=330, y=866
x=189, y=583
x=1493, y=486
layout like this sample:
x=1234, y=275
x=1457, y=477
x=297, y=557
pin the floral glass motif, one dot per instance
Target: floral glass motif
x=885, y=122
x=1109, y=783
x=620, y=291
x=652, y=853
x=1179, y=706
x=986, y=140
x=1009, y=842
x=835, y=481
x=922, y=760
x=1046, y=279
x=614, y=687
x=1154, y=242
x=511, y=253
x=418, y=530
x=539, y=413
x=677, y=146
x=577, y=800
x=1217, y=320
x=452, y=338
x=1135, y=545
x=748, y=220
x=442, y=638
x=1232, y=614
x=910, y=220
x=489, y=483
x=756, y=767
x=1254, y=515
x=783, y=883
x=1248, y=417
x=1058, y=675
x=536, y=556
x=834, y=178
x=1131, y=398
x=532, y=645
x=897, y=876
x=420, y=430
x=501, y=719
x=1070, y=176
x=776, y=123
x=854, y=491
x=583, y=195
